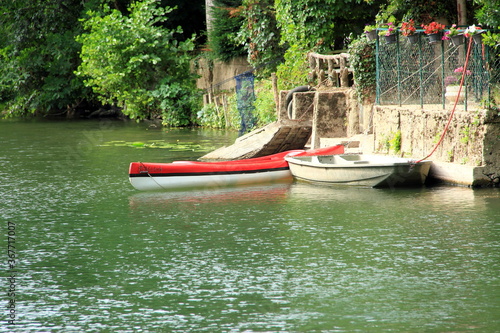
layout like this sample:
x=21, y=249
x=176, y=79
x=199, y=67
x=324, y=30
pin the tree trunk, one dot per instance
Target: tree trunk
x=461, y=12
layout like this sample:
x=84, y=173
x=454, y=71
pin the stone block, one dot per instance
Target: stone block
x=329, y=120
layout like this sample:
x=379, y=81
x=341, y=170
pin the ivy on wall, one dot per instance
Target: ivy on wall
x=362, y=58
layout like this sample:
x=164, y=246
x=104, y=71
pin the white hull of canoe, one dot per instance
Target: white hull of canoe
x=209, y=181
x=363, y=170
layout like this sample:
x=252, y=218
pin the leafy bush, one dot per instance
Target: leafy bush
x=293, y=72
x=216, y=116
x=264, y=111
x=134, y=63
x=212, y=116
x=488, y=13
x=265, y=106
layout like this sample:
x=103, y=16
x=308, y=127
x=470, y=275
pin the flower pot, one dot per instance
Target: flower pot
x=452, y=93
x=478, y=38
x=435, y=38
x=412, y=39
x=457, y=39
x=371, y=35
x=391, y=39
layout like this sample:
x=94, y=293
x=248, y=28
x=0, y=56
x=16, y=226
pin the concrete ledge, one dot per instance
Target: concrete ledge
x=459, y=174
x=361, y=143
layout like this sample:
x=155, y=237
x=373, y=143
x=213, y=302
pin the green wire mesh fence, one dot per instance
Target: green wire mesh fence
x=419, y=72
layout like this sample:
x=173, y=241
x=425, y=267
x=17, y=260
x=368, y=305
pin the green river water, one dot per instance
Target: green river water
x=92, y=254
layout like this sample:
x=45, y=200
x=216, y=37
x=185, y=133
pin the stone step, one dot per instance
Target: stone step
x=361, y=143
x=347, y=142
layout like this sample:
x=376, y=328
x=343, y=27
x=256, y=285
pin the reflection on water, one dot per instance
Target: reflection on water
x=256, y=193
x=95, y=255
x=313, y=257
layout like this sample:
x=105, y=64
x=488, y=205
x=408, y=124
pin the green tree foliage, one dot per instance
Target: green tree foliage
x=38, y=55
x=260, y=35
x=265, y=106
x=226, y=22
x=321, y=26
x=224, y=116
x=423, y=11
x=133, y=62
x=488, y=12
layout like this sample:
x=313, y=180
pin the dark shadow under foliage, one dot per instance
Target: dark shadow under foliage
x=39, y=54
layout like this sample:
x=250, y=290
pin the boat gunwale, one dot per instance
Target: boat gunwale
x=298, y=160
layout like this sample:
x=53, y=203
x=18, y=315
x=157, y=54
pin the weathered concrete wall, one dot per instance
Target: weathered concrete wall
x=491, y=149
x=330, y=116
x=468, y=154
x=421, y=130
x=303, y=105
x=219, y=74
x=282, y=112
x=334, y=113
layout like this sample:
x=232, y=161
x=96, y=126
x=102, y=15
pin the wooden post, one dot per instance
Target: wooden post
x=226, y=111
x=321, y=77
x=210, y=96
x=317, y=70
x=275, y=92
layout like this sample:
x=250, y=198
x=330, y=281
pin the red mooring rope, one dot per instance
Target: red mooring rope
x=455, y=105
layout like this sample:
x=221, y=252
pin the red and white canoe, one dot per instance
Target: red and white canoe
x=191, y=174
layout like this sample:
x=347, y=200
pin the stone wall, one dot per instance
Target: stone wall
x=421, y=129
x=219, y=75
x=469, y=153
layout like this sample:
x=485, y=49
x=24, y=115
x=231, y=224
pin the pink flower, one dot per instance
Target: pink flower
x=461, y=70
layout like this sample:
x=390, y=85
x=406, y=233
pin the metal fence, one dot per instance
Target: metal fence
x=419, y=72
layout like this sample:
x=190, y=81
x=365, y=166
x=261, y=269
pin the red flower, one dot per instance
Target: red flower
x=433, y=28
x=408, y=28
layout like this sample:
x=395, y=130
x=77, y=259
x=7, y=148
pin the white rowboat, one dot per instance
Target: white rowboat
x=360, y=170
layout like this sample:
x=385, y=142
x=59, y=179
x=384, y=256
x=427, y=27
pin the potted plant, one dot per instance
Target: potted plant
x=434, y=31
x=452, y=85
x=389, y=34
x=475, y=33
x=371, y=32
x=455, y=35
x=408, y=30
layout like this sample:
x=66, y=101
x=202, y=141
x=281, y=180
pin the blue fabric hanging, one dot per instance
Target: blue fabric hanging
x=245, y=98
